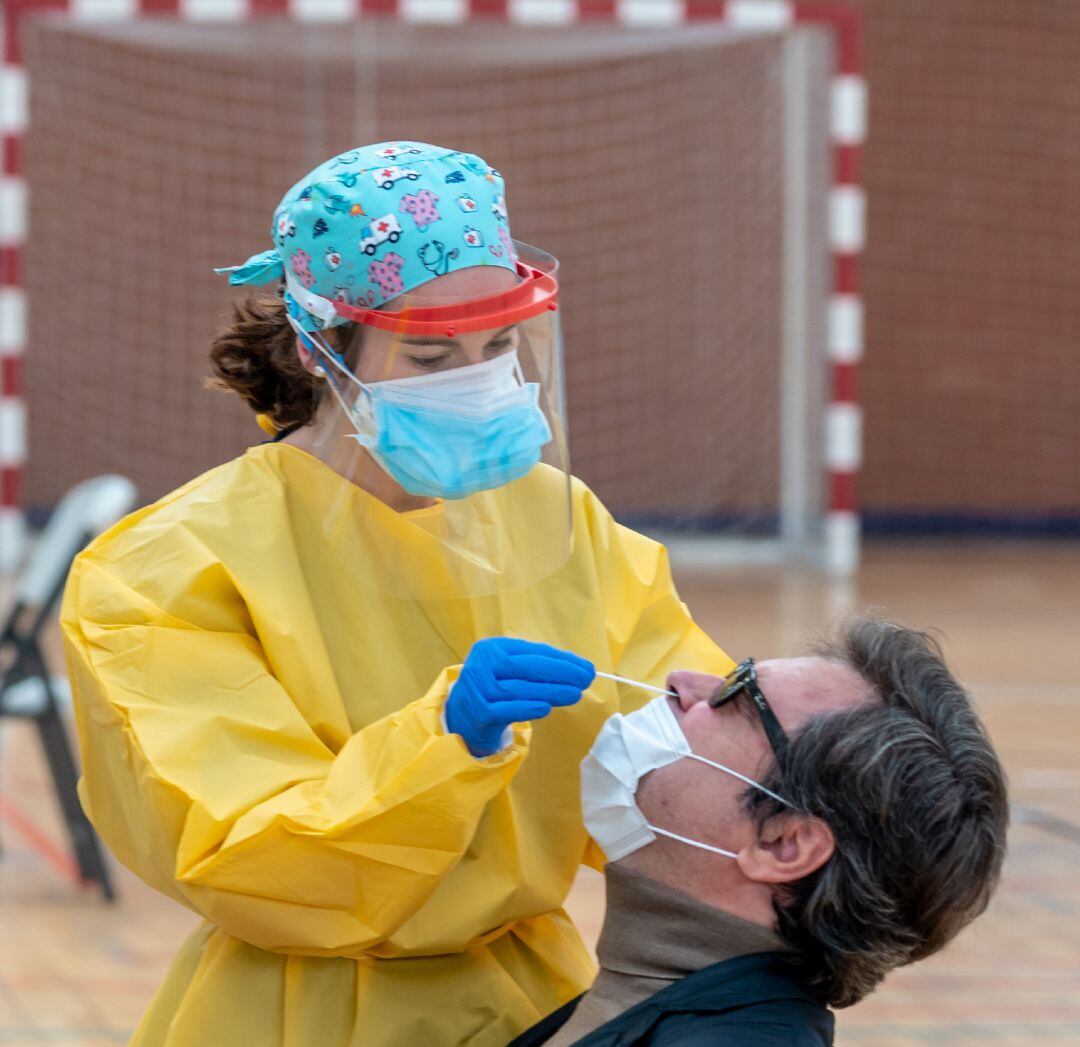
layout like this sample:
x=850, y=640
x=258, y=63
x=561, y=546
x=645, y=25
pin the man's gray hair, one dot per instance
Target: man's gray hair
x=916, y=799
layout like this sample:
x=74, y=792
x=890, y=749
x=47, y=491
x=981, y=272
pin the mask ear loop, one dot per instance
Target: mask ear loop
x=694, y=843
x=741, y=777
x=318, y=342
x=735, y=774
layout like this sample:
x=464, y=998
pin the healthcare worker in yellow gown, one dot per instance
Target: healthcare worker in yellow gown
x=332, y=695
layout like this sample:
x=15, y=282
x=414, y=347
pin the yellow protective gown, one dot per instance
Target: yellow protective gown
x=263, y=742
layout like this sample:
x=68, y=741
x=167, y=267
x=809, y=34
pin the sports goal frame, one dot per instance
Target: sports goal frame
x=836, y=548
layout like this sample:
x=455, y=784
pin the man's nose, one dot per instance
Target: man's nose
x=692, y=687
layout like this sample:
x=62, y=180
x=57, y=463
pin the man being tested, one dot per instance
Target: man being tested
x=801, y=828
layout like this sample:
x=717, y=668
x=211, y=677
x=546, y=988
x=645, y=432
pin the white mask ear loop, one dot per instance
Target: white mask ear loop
x=694, y=843
x=734, y=774
x=741, y=777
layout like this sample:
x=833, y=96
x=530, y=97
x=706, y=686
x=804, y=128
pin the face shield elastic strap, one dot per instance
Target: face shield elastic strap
x=315, y=304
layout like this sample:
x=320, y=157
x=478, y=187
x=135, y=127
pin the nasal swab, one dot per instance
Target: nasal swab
x=636, y=683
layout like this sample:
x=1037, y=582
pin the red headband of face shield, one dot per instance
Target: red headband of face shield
x=538, y=291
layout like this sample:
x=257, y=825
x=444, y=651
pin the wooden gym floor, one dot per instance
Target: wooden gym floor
x=76, y=972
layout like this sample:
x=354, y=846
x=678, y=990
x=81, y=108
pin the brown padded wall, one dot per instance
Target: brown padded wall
x=972, y=376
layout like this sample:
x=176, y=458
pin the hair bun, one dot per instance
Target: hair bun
x=255, y=357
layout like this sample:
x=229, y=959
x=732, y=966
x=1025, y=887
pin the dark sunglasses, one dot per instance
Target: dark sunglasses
x=743, y=680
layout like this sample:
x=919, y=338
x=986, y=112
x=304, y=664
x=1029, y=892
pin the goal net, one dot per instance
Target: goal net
x=680, y=174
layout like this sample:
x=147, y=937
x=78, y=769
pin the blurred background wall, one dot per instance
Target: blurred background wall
x=972, y=277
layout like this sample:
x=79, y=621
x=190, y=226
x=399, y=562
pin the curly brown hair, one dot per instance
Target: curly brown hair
x=255, y=357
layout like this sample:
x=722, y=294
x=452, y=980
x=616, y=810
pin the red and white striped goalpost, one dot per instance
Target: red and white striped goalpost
x=846, y=224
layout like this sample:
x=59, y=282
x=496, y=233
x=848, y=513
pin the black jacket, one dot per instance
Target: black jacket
x=750, y=1001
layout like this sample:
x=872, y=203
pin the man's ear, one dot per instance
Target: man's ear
x=788, y=847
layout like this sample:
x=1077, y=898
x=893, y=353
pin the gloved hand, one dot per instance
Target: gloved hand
x=505, y=681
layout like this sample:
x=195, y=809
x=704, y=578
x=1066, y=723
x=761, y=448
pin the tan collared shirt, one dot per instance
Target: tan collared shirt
x=653, y=936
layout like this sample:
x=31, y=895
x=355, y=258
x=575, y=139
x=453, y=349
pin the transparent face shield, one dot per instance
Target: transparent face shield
x=443, y=422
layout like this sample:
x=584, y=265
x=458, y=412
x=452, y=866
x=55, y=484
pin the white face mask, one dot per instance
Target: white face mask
x=626, y=749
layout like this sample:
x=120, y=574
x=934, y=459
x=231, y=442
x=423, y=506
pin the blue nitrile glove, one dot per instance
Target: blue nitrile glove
x=505, y=681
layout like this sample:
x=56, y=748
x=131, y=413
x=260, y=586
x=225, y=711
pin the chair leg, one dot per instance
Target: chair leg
x=84, y=840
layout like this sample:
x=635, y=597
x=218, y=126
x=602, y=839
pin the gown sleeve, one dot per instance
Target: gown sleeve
x=205, y=779
x=649, y=629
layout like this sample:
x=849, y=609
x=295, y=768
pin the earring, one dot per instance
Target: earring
x=318, y=372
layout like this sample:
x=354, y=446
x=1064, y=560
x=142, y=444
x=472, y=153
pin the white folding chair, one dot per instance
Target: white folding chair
x=27, y=690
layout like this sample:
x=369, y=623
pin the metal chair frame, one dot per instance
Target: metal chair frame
x=85, y=511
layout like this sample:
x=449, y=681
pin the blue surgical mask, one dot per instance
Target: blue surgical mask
x=449, y=434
